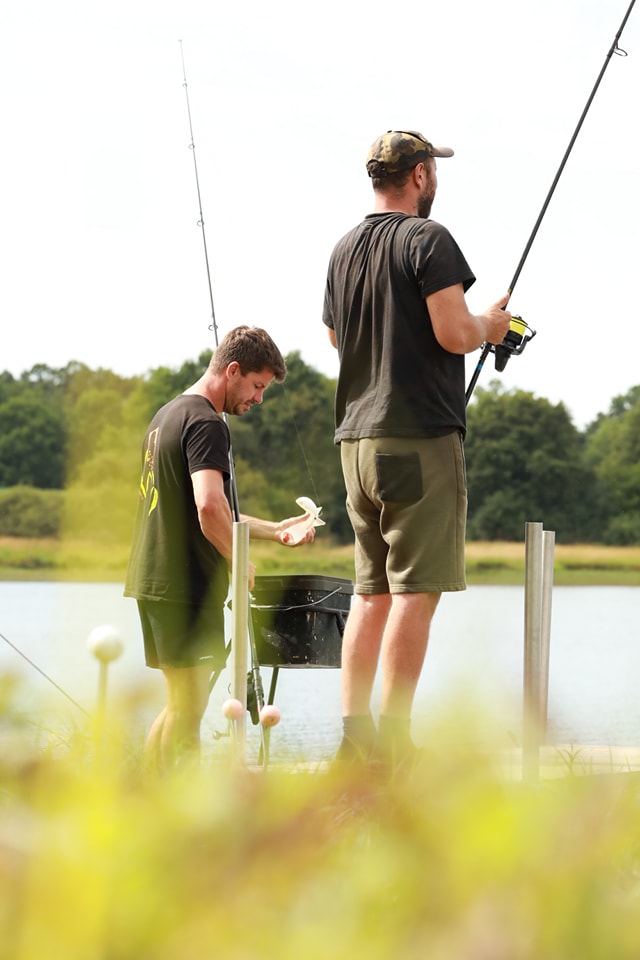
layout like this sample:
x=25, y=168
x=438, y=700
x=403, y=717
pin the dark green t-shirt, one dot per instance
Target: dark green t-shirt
x=395, y=379
x=170, y=558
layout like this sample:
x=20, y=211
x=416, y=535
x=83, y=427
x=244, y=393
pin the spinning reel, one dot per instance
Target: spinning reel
x=516, y=339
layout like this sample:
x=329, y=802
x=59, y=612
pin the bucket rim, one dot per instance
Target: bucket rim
x=290, y=581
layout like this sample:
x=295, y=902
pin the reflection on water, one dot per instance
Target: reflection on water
x=475, y=658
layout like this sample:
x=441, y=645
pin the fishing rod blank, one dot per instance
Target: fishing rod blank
x=256, y=690
x=613, y=49
x=516, y=339
x=192, y=147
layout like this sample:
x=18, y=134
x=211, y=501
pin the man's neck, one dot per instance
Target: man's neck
x=211, y=387
x=396, y=203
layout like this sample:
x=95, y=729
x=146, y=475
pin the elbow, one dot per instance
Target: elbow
x=205, y=517
x=208, y=513
x=454, y=342
x=462, y=337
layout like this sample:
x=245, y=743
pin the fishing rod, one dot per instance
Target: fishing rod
x=213, y=326
x=255, y=692
x=520, y=332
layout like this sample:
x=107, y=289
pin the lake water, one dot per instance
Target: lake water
x=475, y=660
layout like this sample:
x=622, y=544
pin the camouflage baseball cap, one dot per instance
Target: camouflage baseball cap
x=398, y=150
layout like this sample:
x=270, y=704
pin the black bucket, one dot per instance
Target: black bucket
x=298, y=621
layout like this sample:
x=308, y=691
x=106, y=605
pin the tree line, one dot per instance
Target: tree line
x=70, y=449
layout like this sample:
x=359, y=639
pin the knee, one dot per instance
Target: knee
x=187, y=712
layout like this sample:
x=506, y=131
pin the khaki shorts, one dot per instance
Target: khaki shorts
x=407, y=502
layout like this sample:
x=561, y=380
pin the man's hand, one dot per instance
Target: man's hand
x=296, y=530
x=497, y=320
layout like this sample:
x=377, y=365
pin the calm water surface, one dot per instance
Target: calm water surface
x=475, y=660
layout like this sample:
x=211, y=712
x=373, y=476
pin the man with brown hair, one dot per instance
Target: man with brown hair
x=396, y=312
x=181, y=555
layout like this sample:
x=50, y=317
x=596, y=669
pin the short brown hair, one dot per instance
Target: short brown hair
x=252, y=349
x=391, y=182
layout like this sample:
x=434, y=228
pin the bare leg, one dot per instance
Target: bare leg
x=152, y=746
x=404, y=647
x=175, y=734
x=360, y=654
x=361, y=650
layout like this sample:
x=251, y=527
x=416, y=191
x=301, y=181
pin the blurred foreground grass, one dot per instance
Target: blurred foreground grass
x=496, y=563
x=457, y=863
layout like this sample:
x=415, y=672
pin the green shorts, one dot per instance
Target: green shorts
x=181, y=635
x=407, y=502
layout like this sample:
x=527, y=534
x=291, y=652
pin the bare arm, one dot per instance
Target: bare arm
x=270, y=530
x=332, y=337
x=216, y=519
x=460, y=331
x=214, y=513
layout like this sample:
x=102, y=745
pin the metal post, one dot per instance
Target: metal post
x=239, y=629
x=532, y=651
x=548, y=546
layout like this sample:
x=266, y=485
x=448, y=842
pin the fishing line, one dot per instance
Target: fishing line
x=520, y=333
x=46, y=676
x=302, y=448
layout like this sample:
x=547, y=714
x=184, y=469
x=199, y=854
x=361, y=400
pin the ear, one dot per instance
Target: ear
x=233, y=370
x=419, y=173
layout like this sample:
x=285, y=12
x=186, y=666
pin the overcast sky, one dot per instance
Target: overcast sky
x=102, y=256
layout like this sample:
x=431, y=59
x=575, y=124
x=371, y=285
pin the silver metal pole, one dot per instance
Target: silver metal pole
x=532, y=651
x=239, y=629
x=548, y=547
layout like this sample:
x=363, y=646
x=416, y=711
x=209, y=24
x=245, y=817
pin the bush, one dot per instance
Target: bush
x=624, y=530
x=29, y=512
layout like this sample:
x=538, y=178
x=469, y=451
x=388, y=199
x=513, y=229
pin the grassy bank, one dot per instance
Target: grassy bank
x=574, y=564
x=487, y=563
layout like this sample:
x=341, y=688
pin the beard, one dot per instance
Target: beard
x=425, y=201
x=241, y=408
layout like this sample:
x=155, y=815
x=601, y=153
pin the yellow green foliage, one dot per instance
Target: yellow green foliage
x=458, y=862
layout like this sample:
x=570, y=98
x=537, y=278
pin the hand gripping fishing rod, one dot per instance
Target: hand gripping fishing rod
x=255, y=698
x=520, y=332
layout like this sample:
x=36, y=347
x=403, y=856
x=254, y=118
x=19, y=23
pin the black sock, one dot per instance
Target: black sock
x=359, y=732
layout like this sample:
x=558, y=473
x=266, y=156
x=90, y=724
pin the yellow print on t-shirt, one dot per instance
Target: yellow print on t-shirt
x=148, y=490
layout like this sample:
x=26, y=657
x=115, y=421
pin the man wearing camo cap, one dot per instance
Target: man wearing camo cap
x=395, y=310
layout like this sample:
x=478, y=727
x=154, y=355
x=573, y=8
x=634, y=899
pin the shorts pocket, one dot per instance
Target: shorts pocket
x=399, y=477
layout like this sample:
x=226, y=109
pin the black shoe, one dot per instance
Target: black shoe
x=396, y=762
x=352, y=755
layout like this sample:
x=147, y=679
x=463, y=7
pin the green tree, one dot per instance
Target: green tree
x=8, y=385
x=32, y=443
x=164, y=383
x=525, y=462
x=289, y=438
x=28, y=512
x=107, y=416
x=613, y=451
